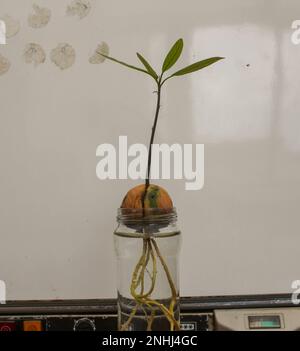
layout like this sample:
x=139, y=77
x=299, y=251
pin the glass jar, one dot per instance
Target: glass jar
x=147, y=244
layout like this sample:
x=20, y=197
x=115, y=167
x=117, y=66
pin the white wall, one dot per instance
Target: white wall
x=240, y=233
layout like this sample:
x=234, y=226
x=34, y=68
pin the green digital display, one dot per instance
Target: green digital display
x=264, y=322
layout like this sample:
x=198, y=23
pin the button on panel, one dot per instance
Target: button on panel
x=7, y=326
x=32, y=326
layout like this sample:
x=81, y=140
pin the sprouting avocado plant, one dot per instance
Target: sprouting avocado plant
x=149, y=196
x=160, y=79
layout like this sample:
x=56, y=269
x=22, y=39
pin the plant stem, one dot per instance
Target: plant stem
x=147, y=180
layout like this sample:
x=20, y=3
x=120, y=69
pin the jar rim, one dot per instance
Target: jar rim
x=146, y=215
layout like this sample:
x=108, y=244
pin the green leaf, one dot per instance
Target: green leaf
x=125, y=64
x=197, y=66
x=173, y=55
x=149, y=69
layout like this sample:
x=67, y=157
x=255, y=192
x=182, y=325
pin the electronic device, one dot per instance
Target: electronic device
x=276, y=319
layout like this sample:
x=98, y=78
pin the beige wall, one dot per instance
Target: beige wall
x=240, y=233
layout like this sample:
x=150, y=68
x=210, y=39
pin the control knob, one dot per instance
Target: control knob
x=84, y=324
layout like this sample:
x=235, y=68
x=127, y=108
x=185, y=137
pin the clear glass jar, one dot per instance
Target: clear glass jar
x=147, y=244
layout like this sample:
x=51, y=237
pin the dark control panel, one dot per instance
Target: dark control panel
x=79, y=323
x=197, y=313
